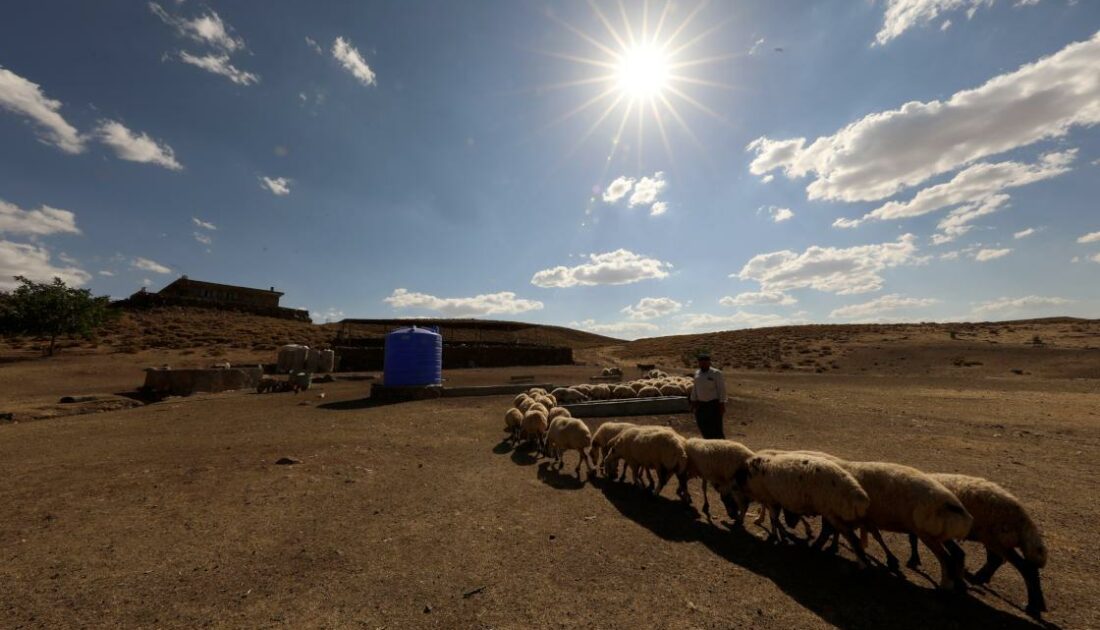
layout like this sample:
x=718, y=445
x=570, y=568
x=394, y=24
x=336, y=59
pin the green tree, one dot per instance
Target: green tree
x=52, y=310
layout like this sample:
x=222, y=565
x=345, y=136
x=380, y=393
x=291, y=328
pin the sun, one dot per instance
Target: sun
x=642, y=72
x=645, y=67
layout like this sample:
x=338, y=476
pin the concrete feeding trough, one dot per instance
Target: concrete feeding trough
x=184, y=382
x=629, y=407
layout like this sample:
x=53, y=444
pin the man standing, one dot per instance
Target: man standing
x=708, y=399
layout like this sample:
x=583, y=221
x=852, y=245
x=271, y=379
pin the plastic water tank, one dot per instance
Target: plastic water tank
x=414, y=356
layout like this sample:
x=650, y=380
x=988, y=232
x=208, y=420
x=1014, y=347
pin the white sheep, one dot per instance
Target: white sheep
x=569, y=434
x=558, y=412
x=649, y=391
x=519, y=398
x=525, y=404
x=636, y=386
x=547, y=401
x=623, y=391
x=903, y=499
x=513, y=422
x=601, y=392
x=793, y=520
x=567, y=395
x=1002, y=525
x=537, y=406
x=534, y=428
x=651, y=448
x=536, y=391
x=806, y=485
x=669, y=389
x=716, y=462
x=604, y=434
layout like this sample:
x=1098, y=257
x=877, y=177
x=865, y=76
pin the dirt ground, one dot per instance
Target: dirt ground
x=416, y=514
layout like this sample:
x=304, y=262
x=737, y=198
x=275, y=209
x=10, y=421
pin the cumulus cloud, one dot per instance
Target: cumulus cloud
x=504, y=302
x=220, y=64
x=1091, y=237
x=1095, y=258
x=960, y=220
x=618, y=267
x=972, y=185
x=353, y=62
x=41, y=222
x=986, y=254
x=332, y=314
x=145, y=264
x=777, y=214
x=136, y=147
x=1023, y=233
x=618, y=189
x=844, y=271
x=884, y=152
x=881, y=306
x=1030, y=304
x=750, y=298
x=204, y=238
x=902, y=15
x=206, y=225
x=630, y=330
x=651, y=308
x=106, y=273
x=24, y=98
x=647, y=189
x=706, y=322
x=207, y=28
x=313, y=45
x=34, y=262
x=658, y=208
x=279, y=186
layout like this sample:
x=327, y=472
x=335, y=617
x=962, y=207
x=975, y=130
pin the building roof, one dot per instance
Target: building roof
x=184, y=280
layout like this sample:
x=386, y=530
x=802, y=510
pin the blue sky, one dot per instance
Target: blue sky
x=849, y=161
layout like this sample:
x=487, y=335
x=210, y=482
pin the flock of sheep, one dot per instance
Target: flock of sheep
x=790, y=486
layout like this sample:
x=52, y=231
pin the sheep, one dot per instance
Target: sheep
x=804, y=484
x=658, y=448
x=584, y=388
x=534, y=428
x=536, y=391
x=568, y=395
x=547, y=401
x=1001, y=524
x=605, y=372
x=519, y=398
x=558, y=412
x=636, y=386
x=649, y=392
x=793, y=520
x=601, y=392
x=716, y=462
x=904, y=499
x=622, y=391
x=656, y=374
x=513, y=421
x=525, y=404
x=604, y=434
x=671, y=390
x=569, y=434
x=537, y=407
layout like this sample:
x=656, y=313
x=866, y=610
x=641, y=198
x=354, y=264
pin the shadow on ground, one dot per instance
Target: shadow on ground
x=832, y=587
x=358, y=403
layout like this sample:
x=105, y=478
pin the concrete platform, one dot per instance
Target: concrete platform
x=629, y=407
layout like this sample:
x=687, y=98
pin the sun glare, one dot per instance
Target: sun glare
x=645, y=65
x=642, y=72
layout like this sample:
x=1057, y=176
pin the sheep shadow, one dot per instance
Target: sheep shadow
x=503, y=447
x=524, y=454
x=550, y=475
x=832, y=587
x=358, y=403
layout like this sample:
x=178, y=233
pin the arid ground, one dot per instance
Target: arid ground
x=176, y=514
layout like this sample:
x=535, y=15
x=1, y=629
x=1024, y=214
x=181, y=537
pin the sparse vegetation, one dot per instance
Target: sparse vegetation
x=51, y=311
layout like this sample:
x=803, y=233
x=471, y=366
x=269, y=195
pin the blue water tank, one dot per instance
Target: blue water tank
x=414, y=356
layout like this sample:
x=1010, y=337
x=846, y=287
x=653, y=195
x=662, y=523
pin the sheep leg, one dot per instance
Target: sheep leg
x=947, y=570
x=850, y=536
x=778, y=531
x=891, y=559
x=827, y=532
x=662, y=477
x=682, y=487
x=993, y=561
x=914, y=554
x=706, y=500
x=1036, y=603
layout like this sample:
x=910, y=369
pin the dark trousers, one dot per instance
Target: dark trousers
x=708, y=415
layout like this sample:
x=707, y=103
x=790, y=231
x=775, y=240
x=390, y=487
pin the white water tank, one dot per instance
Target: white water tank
x=292, y=358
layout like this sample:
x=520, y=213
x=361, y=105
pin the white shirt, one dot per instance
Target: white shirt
x=709, y=385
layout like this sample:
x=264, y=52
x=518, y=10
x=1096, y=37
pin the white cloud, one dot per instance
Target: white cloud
x=706, y=322
x=1023, y=233
x=756, y=45
x=1091, y=237
x=902, y=15
x=651, y=308
x=1095, y=258
x=884, y=152
x=25, y=98
x=203, y=238
x=136, y=148
x=777, y=214
x=881, y=305
x=949, y=255
x=220, y=64
x=618, y=267
x=313, y=45
x=631, y=330
x=279, y=186
x=333, y=314
x=750, y=298
x=206, y=225
x=207, y=28
x=843, y=271
x=618, y=189
x=959, y=221
x=984, y=255
x=1016, y=306
x=503, y=303
x=105, y=273
x=658, y=208
x=647, y=189
x=352, y=61
x=33, y=261
x=145, y=264
x=41, y=222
